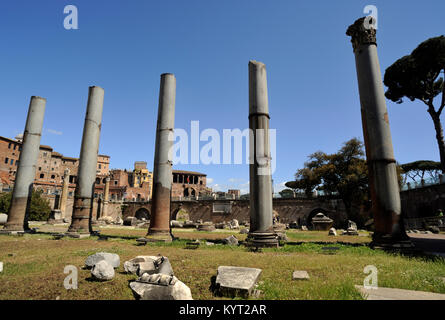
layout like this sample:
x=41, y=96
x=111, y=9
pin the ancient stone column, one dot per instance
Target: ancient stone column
x=58, y=213
x=64, y=195
x=83, y=196
x=261, y=232
x=106, y=197
x=107, y=189
x=162, y=169
x=384, y=187
x=26, y=171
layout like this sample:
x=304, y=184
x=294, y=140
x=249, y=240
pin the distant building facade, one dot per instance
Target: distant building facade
x=234, y=192
x=136, y=185
x=50, y=166
x=189, y=184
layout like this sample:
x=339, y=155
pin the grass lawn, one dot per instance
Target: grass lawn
x=34, y=265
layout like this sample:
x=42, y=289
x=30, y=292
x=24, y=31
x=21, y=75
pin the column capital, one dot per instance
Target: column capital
x=361, y=33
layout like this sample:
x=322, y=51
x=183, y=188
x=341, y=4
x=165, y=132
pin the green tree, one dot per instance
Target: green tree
x=344, y=173
x=417, y=76
x=39, y=210
x=5, y=202
x=418, y=169
x=286, y=193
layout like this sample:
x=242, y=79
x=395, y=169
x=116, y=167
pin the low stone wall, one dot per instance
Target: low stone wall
x=423, y=202
x=288, y=210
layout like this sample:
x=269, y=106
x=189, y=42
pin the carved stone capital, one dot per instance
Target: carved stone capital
x=362, y=34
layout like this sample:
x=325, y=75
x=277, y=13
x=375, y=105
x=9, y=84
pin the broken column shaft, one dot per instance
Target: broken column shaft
x=64, y=195
x=83, y=196
x=107, y=189
x=106, y=197
x=162, y=167
x=26, y=171
x=58, y=214
x=261, y=225
x=383, y=184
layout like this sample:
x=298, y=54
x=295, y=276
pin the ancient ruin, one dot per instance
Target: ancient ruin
x=384, y=188
x=162, y=172
x=82, y=210
x=261, y=225
x=21, y=195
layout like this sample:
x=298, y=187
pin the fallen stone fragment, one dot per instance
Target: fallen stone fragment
x=300, y=275
x=148, y=264
x=282, y=236
x=146, y=267
x=176, y=224
x=236, y=281
x=3, y=218
x=233, y=224
x=160, y=287
x=112, y=258
x=206, y=226
x=332, y=232
x=231, y=241
x=244, y=231
x=103, y=271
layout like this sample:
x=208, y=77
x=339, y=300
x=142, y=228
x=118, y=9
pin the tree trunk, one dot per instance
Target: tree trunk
x=439, y=136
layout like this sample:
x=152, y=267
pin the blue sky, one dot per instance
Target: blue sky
x=124, y=46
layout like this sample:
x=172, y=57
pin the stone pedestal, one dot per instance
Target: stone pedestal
x=384, y=188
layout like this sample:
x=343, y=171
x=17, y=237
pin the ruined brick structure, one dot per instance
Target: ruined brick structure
x=189, y=184
x=49, y=169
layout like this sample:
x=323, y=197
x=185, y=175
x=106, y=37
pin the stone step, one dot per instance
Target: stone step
x=398, y=294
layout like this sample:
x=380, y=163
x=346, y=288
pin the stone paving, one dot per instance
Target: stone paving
x=398, y=294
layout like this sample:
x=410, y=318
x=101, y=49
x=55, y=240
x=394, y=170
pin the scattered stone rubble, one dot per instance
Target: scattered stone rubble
x=156, y=279
x=332, y=232
x=112, y=259
x=103, y=271
x=300, y=275
x=236, y=281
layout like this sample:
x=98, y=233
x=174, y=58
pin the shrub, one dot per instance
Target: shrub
x=39, y=210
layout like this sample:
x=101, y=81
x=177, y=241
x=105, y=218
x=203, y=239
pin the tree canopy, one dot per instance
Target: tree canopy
x=39, y=210
x=344, y=173
x=417, y=76
x=418, y=169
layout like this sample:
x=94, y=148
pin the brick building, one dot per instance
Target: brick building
x=136, y=185
x=189, y=184
x=50, y=166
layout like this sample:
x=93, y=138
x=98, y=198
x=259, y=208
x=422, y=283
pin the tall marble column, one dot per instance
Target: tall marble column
x=384, y=187
x=83, y=196
x=159, y=229
x=261, y=232
x=26, y=171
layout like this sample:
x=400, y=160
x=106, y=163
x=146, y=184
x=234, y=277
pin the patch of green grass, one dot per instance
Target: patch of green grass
x=34, y=270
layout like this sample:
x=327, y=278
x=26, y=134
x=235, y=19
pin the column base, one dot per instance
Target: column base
x=77, y=235
x=156, y=236
x=55, y=217
x=262, y=240
x=389, y=242
x=14, y=232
